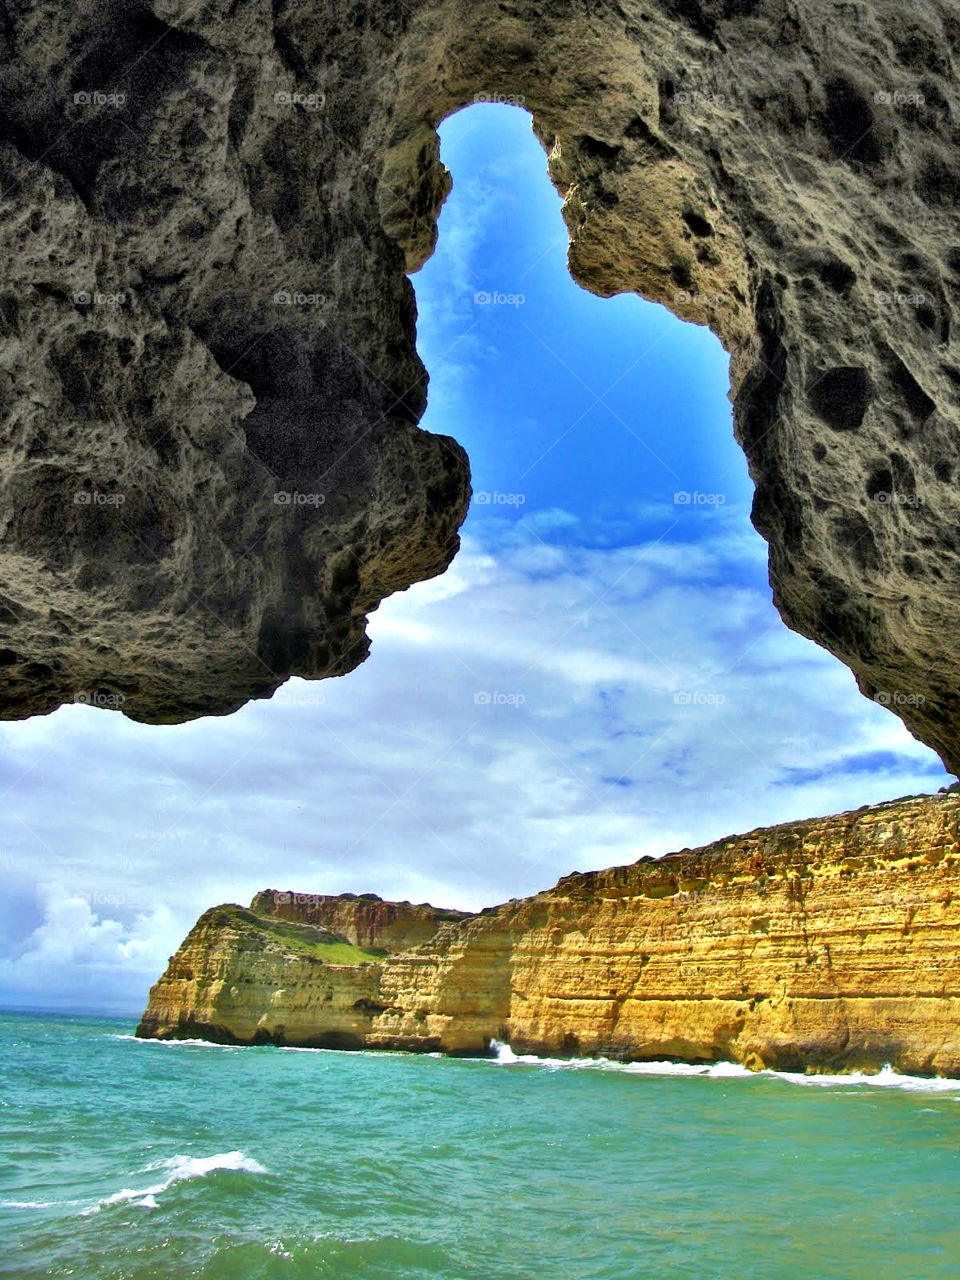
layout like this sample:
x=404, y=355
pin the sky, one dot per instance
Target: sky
x=600, y=675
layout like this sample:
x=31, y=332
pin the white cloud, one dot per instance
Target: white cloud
x=517, y=719
x=396, y=780
x=80, y=957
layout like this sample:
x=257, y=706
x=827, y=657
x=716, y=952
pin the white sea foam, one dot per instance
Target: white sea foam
x=242, y=1048
x=179, y=1169
x=504, y=1056
x=885, y=1078
x=350, y=1053
x=194, y=1044
x=27, y=1204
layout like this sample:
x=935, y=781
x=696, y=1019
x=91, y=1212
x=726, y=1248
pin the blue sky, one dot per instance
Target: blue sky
x=600, y=675
x=601, y=408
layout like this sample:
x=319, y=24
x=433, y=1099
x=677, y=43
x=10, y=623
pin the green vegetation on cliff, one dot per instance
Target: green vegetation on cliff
x=302, y=939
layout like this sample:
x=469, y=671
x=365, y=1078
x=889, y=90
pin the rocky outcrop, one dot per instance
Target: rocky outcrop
x=827, y=944
x=242, y=978
x=211, y=464
x=364, y=920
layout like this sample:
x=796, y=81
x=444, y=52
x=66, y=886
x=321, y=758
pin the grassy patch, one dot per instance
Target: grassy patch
x=303, y=939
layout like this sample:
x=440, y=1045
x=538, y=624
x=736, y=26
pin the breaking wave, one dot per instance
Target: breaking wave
x=885, y=1078
x=177, y=1169
x=190, y=1044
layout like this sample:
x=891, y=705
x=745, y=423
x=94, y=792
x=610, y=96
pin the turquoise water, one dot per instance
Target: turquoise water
x=129, y=1159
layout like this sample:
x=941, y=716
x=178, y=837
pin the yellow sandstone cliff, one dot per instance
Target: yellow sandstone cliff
x=827, y=944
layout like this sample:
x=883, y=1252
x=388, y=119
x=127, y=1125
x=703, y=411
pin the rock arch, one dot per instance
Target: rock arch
x=788, y=174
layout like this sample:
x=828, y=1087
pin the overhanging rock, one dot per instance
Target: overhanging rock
x=211, y=464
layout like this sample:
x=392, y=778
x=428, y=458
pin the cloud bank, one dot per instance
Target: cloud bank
x=545, y=706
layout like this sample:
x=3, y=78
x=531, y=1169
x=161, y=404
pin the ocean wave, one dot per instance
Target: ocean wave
x=194, y=1044
x=505, y=1057
x=179, y=1169
x=885, y=1078
x=354, y=1053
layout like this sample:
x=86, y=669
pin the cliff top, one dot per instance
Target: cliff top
x=267, y=901
x=303, y=939
x=765, y=848
x=886, y=831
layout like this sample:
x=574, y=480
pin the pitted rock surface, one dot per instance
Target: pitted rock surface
x=211, y=464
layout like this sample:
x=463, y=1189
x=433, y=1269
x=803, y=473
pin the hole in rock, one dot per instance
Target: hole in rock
x=599, y=676
x=611, y=590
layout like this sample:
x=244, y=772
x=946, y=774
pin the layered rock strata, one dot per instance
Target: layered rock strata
x=210, y=467
x=237, y=978
x=830, y=944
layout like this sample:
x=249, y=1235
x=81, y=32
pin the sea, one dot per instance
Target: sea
x=125, y=1159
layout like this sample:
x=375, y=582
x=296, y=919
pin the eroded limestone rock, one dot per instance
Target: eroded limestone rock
x=786, y=173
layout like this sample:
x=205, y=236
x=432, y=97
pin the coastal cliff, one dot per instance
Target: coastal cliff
x=828, y=944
